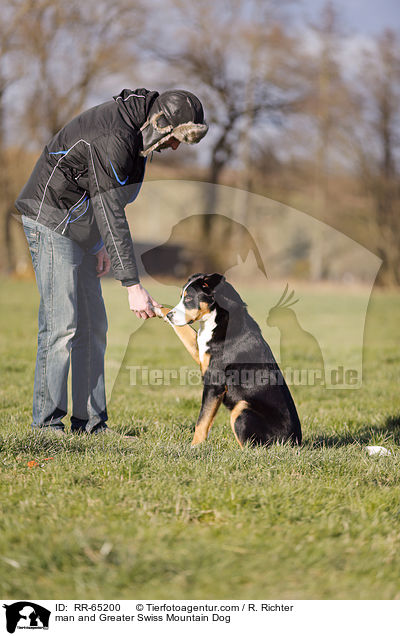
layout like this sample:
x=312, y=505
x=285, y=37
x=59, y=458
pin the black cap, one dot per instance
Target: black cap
x=175, y=113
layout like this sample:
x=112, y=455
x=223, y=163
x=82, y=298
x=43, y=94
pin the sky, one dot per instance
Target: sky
x=362, y=16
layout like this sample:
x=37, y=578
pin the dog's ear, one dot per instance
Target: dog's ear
x=211, y=281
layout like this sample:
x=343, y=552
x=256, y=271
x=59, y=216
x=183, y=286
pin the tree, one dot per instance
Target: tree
x=234, y=55
x=326, y=113
x=12, y=15
x=68, y=49
x=57, y=53
x=377, y=147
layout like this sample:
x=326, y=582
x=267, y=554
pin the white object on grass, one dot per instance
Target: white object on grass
x=377, y=450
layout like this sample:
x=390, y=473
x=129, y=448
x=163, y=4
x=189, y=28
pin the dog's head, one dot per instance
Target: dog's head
x=200, y=295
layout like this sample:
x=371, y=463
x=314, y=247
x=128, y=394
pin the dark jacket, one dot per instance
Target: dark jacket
x=88, y=173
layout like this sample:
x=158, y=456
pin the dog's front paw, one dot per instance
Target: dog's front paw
x=161, y=312
x=196, y=441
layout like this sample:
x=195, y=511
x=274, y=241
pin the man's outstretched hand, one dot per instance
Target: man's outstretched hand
x=103, y=263
x=140, y=302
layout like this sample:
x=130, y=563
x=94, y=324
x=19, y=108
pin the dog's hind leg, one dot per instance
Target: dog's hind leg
x=209, y=406
x=235, y=415
x=186, y=334
x=248, y=426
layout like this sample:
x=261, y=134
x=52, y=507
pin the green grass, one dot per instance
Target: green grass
x=153, y=518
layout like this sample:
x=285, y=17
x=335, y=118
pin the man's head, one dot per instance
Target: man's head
x=176, y=116
x=171, y=143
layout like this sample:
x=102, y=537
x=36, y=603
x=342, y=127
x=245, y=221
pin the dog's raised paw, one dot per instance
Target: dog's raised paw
x=161, y=312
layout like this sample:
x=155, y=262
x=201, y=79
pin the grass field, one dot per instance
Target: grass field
x=153, y=518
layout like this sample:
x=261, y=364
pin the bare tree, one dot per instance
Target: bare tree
x=12, y=15
x=327, y=112
x=228, y=52
x=59, y=53
x=377, y=146
x=68, y=49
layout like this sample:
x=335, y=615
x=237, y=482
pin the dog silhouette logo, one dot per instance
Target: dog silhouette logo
x=217, y=253
x=26, y=615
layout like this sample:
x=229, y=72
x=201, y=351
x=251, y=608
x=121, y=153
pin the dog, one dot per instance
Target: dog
x=237, y=365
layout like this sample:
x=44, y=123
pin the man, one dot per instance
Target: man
x=75, y=224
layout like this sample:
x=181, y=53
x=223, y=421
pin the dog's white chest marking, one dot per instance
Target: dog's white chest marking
x=205, y=332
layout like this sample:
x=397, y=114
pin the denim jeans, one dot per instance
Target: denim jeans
x=72, y=332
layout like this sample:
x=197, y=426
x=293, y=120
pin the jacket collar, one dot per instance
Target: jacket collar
x=134, y=105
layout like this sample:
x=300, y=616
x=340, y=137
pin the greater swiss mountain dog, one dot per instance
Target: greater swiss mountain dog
x=237, y=365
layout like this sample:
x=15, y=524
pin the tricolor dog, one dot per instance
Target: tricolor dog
x=237, y=365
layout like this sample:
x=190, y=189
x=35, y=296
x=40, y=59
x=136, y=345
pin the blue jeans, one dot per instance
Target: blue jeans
x=72, y=332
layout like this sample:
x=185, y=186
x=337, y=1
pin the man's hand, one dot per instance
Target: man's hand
x=103, y=263
x=140, y=302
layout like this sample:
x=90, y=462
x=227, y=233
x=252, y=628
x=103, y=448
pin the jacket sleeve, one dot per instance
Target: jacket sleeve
x=110, y=164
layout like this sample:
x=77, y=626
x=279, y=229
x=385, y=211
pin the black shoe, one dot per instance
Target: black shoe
x=102, y=429
x=78, y=427
x=49, y=430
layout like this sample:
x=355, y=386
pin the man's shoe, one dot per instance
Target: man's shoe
x=78, y=431
x=81, y=429
x=101, y=429
x=49, y=430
